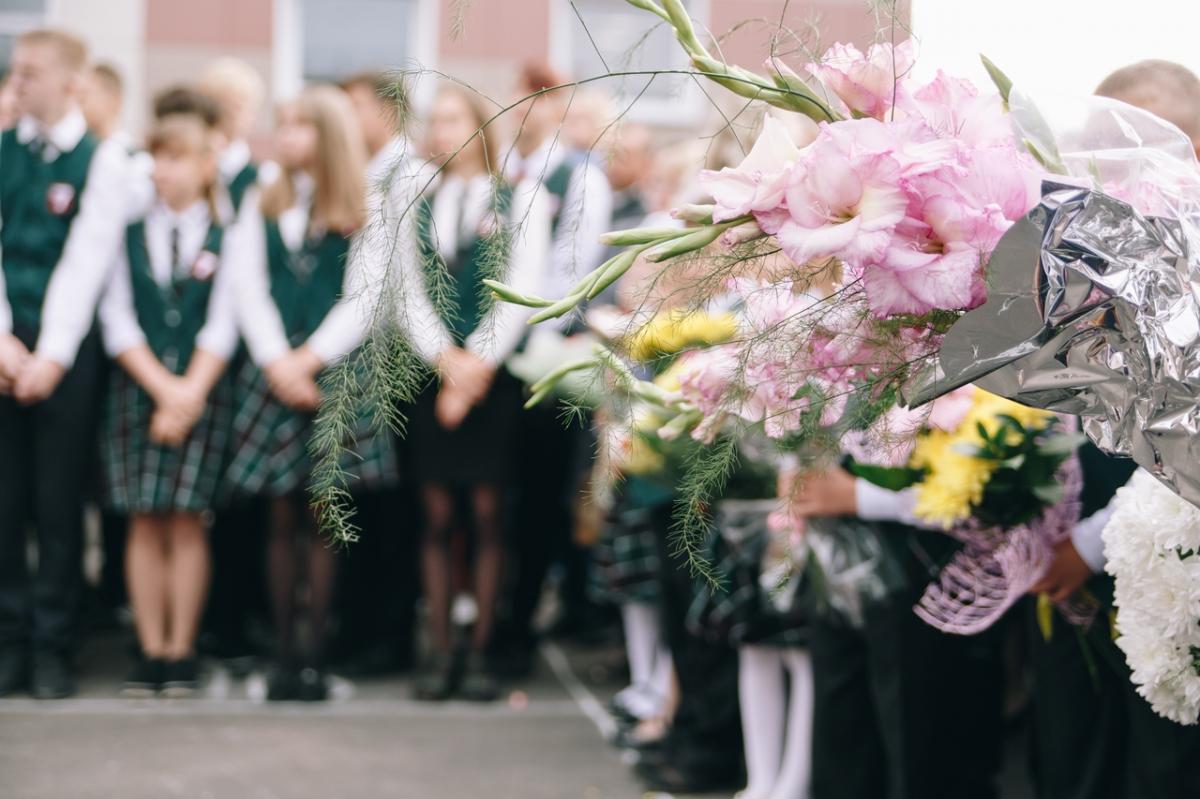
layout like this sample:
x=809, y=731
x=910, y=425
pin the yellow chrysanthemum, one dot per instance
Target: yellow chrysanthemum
x=640, y=458
x=955, y=480
x=675, y=331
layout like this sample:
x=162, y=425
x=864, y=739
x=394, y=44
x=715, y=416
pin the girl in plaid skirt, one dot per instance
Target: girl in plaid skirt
x=168, y=320
x=297, y=317
x=470, y=226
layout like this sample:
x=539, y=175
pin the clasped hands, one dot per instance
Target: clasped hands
x=28, y=377
x=466, y=379
x=293, y=379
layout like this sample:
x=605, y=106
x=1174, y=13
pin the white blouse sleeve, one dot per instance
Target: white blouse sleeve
x=82, y=271
x=394, y=248
x=878, y=504
x=500, y=332
x=219, y=335
x=586, y=216
x=118, y=317
x=246, y=257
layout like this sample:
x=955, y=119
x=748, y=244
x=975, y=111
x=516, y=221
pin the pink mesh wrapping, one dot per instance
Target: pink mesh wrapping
x=997, y=567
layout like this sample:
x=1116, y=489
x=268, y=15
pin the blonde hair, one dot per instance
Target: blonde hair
x=480, y=113
x=70, y=48
x=1166, y=89
x=232, y=77
x=340, y=193
x=186, y=134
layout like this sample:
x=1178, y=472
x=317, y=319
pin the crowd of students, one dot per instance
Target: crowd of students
x=169, y=305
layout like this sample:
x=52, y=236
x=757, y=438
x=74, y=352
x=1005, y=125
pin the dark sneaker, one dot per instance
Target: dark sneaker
x=181, y=678
x=313, y=686
x=51, y=676
x=14, y=670
x=283, y=685
x=439, y=680
x=144, y=680
x=478, y=684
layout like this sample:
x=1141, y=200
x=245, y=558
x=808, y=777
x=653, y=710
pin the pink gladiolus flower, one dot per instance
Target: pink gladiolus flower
x=866, y=84
x=759, y=181
x=838, y=205
x=954, y=109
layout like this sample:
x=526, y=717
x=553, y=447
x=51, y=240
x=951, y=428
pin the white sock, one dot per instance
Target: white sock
x=795, y=776
x=763, y=694
x=640, y=621
x=662, y=681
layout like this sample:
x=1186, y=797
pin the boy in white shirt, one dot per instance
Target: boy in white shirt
x=62, y=199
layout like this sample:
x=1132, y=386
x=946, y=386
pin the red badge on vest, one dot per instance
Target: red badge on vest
x=205, y=265
x=60, y=197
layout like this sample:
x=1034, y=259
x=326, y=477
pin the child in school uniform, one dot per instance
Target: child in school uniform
x=62, y=199
x=296, y=318
x=168, y=321
x=461, y=439
x=237, y=90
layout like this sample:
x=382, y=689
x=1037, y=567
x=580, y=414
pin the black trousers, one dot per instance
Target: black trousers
x=902, y=711
x=547, y=478
x=46, y=452
x=706, y=733
x=1093, y=737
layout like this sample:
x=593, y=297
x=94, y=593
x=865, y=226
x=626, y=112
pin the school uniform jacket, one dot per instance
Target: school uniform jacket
x=62, y=199
x=171, y=293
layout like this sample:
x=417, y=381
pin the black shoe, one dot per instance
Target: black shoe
x=439, y=680
x=145, y=678
x=51, y=676
x=313, y=686
x=283, y=684
x=14, y=670
x=478, y=684
x=181, y=678
x=659, y=774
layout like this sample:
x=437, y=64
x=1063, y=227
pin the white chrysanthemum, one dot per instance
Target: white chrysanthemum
x=1152, y=544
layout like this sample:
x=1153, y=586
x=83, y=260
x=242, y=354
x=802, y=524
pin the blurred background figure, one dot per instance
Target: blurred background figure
x=101, y=95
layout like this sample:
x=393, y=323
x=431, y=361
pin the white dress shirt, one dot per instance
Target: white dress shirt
x=586, y=214
x=499, y=332
x=258, y=318
x=92, y=243
x=878, y=504
x=118, y=314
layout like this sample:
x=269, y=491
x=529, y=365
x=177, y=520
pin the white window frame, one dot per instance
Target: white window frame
x=686, y=108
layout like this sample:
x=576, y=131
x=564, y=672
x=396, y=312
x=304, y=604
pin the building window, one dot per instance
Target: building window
x=16, y=17
x=341, y=37
x=628, y=39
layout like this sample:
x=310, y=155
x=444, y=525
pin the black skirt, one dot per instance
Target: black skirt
x=480, y=450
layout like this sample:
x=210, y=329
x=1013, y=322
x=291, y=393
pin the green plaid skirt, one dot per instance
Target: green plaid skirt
x=625, y=558
x=141, y=476
x=739, y=610
x=271, y=445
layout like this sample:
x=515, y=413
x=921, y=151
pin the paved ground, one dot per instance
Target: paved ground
x=371, y=742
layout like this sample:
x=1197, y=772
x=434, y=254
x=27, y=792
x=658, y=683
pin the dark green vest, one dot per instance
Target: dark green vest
x=242, y=181
x=455, y=286
x=31, y=235
x=170, y=316
x=305, y=284
x=557, y=183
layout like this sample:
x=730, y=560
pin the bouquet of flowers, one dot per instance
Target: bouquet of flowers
x=1153, y=548
x=862, y=218
x=1001, y=478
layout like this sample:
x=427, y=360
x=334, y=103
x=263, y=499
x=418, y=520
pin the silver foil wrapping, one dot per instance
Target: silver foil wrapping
x=1092, y=310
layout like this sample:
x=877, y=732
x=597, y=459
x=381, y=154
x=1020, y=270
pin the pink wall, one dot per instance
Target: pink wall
x=495, y=29
x=229, y=23
x=836, y=21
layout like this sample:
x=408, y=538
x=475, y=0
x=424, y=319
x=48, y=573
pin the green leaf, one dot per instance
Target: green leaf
x=893, y=478
x=1061, y=444
x=1050, y=493
x=1003, y=83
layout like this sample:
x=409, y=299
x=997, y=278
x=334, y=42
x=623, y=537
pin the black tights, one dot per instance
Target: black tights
x=436, y=559
x=298, y=557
